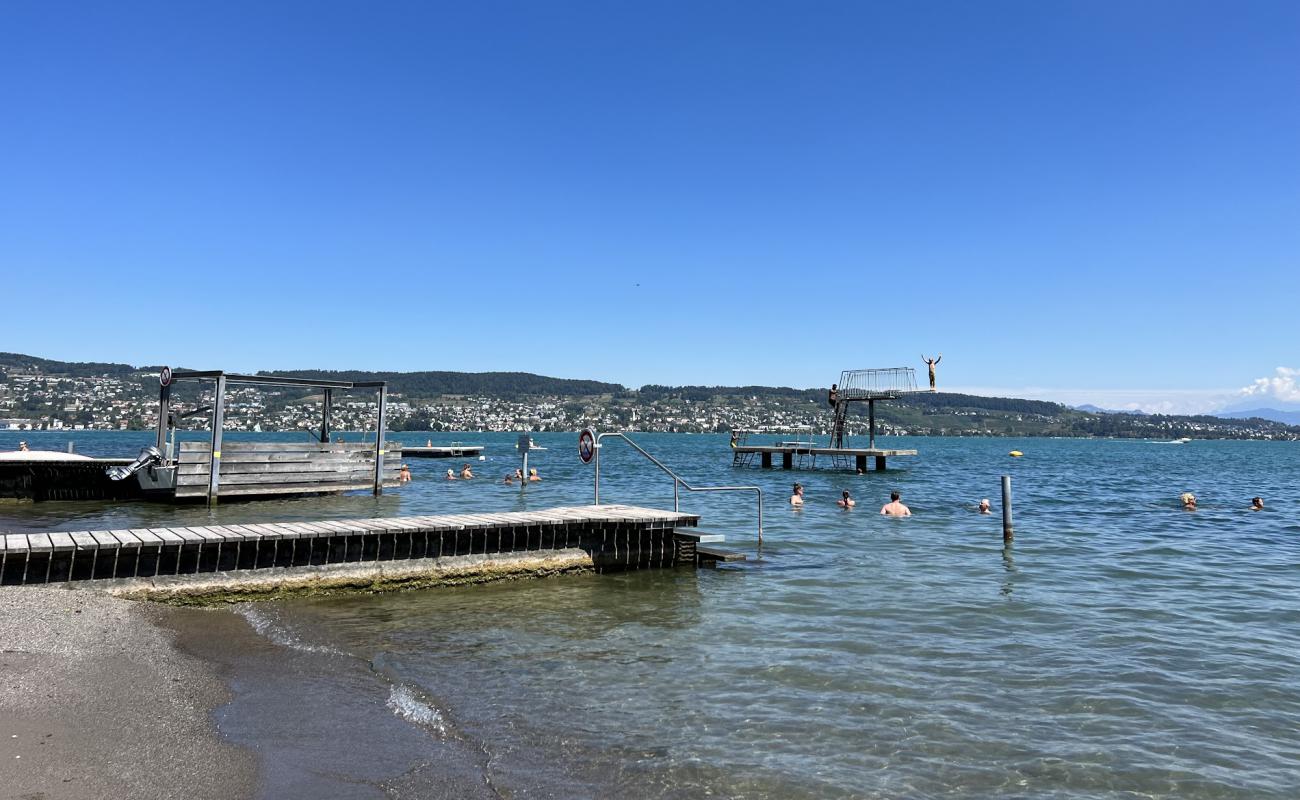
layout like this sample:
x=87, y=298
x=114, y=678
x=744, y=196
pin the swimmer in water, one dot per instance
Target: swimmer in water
x=1256, y=504
x=846, y=501
x=895, y=507
x=451, y=476
x=466, y=473
x=984, y=506
x=796, y=496
x=1188, y=500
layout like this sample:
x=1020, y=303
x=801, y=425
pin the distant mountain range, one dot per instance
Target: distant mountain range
x=1274, y=414
x=1091, y=409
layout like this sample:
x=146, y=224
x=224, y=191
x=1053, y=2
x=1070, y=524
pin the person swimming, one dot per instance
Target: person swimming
x=1256, y=504
x=895, y=507
x=466, y=473
x=404, y=475
x=1188, y=500
x=796, y=496
x=451, y=475
x=846, y=501
x=533, y=477
x=984, y=507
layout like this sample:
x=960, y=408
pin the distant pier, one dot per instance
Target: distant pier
x=289, y=555
x=839, y=457
x=443, y=451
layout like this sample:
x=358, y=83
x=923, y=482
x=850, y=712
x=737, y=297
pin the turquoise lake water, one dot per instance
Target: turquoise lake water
x=1122, y=647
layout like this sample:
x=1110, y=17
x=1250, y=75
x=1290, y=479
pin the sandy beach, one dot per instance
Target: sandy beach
x=97, y=701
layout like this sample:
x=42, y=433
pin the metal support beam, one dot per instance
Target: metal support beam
x=871, y=420
x=379, y=442
x=325, y=416
x=214, y=457
x=164, y=408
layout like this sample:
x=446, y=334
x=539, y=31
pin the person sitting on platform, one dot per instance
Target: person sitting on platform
x=533, y=477
x=1188, y=500
x=1256, y=504
x=796, y=498
x=846, y=501
x=466, y=473
x=984, y=506
x=895, y=508
x=451, y=475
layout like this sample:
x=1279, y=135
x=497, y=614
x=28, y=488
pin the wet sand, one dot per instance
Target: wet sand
x=96, y=700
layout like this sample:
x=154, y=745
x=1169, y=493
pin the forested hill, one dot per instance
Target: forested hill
x=117, y=395
x=504, y=385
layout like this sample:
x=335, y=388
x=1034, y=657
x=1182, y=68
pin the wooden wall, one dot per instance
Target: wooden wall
x=268, y=468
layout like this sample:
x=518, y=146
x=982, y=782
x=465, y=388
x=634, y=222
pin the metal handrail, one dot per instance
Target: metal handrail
x=678, y=481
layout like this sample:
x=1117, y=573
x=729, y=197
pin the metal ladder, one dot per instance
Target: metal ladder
x=678, y=481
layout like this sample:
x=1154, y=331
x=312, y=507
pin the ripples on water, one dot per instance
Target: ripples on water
x=1121, y=648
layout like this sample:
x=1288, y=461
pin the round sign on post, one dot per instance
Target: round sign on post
x=165, y=376
x=586, y=445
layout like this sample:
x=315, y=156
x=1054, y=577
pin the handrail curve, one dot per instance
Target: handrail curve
x=678, y=480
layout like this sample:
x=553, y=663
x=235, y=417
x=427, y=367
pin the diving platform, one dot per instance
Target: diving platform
x=806, y=456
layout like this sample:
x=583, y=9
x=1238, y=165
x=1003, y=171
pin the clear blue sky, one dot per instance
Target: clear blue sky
x=1059, y=197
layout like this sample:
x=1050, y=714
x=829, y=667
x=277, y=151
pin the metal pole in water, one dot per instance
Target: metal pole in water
x=1007, y=534
x=71, y=449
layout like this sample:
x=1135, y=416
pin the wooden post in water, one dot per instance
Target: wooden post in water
x=1007, y=534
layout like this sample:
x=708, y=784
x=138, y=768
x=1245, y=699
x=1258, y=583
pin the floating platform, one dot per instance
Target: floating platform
x=613, y=537
x=839, y=457
x=447, y=451
x=41, y=475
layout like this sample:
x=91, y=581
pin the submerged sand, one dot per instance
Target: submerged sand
x=96, y=701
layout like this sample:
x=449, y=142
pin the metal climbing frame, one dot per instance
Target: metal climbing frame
x=870, y=385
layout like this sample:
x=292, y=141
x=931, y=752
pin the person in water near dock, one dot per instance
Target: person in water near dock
x=428, y=443
x=22, y=447
x=466, y=472
x=510, y=478
x=1188, y=500
x=451, y=475
x=846, y=501
x=1256, y=504
x=796, y=495
x=984, y=507
x=895, y=508
x=404, y=475
x=533, y=477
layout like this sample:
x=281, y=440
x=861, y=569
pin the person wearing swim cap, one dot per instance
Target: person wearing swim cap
x=984, y=506
x=1188, y=500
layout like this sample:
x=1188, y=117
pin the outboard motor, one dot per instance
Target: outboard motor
x=147, y=458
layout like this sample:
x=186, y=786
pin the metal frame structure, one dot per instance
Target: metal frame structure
x=871, y=385
x=677, y=480
x=221, y=378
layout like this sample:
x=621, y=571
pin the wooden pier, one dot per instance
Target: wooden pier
x=443, y=451
x=838, y=456
x=615, y=537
